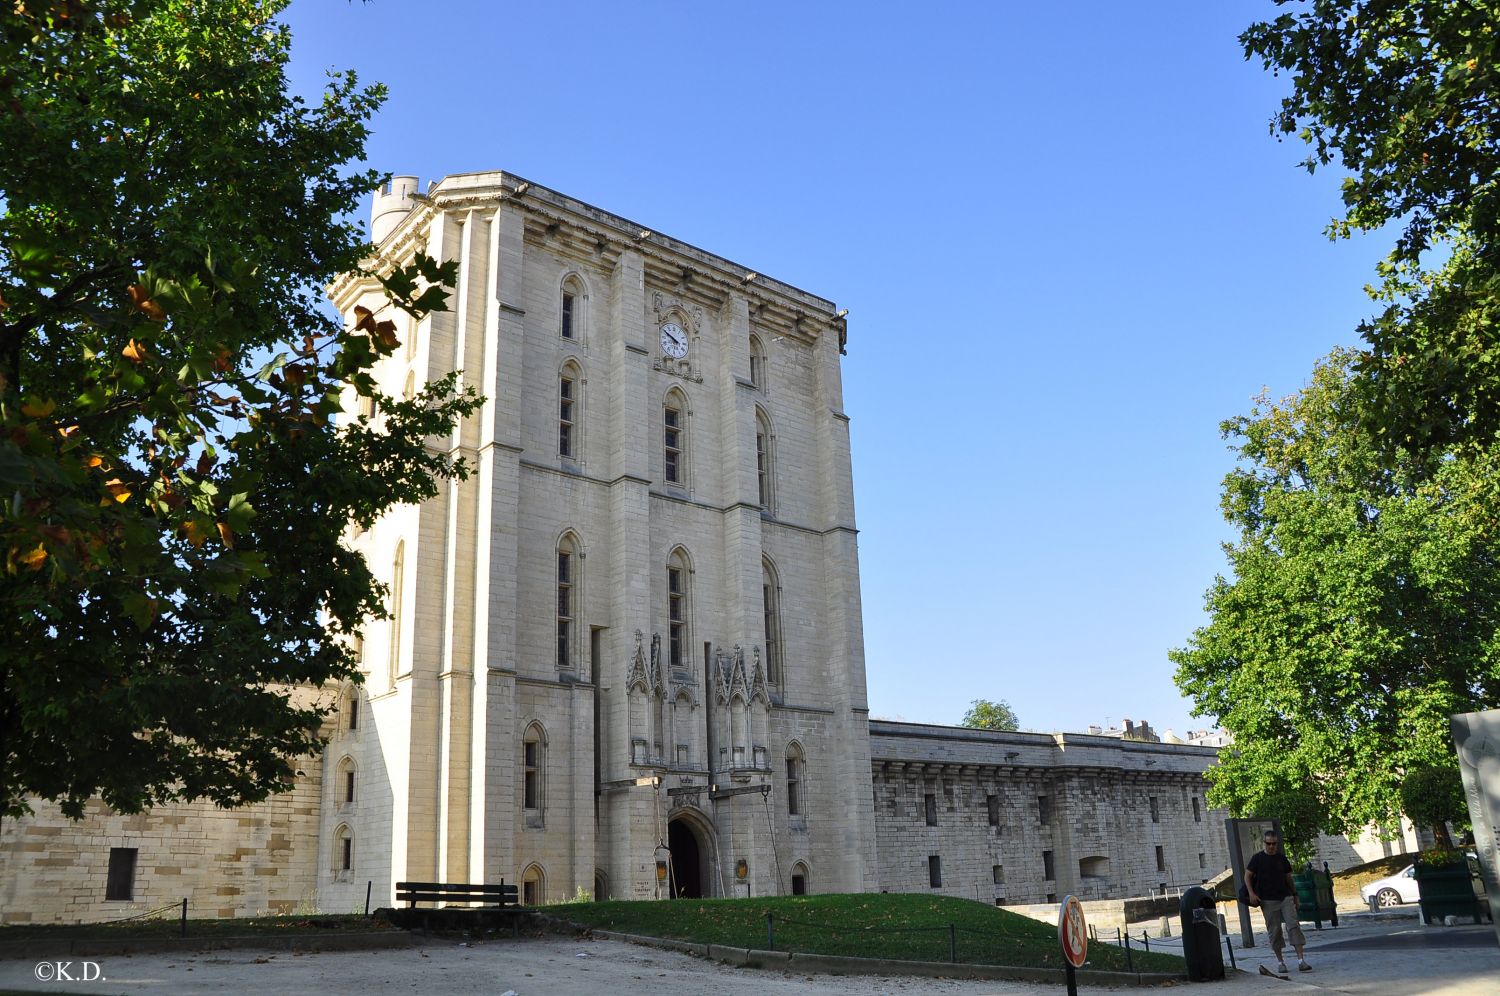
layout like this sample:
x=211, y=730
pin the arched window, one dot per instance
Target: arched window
x=674, y=438
x=678, y=609
x=568, y=382
x=398, y=581
x=533, y=774
x=795, y=773
x=344, y=784
x=533, y=886
x=765, y=471
x=568, y=563
x=757, y=363
x=571, y=308
x=409, y=390
x=770, y=588
x=343, y=852
x=799, y=879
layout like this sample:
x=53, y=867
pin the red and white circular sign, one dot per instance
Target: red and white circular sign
x=1072, y=933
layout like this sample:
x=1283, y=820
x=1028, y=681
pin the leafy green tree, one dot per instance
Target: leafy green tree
x=174, y=484
x=986, y=715
x=1302, y=816
x=1434, y=797
x=1402, y=94
x=1363, y=608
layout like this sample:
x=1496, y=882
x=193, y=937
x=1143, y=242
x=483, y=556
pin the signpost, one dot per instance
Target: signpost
x=1073, y=935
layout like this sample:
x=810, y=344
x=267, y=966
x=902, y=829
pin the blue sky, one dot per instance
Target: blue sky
x=1067, y=242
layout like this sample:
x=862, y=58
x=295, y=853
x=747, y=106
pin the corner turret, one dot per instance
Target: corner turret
x=392, y=202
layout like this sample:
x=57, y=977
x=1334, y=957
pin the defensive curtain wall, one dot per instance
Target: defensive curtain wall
x=1010, y=818
x=1016, y=818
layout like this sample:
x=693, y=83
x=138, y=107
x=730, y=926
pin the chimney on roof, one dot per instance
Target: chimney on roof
x=1128, y=725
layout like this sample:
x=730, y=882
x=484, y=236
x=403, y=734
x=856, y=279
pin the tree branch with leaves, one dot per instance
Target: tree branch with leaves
x=175, y=468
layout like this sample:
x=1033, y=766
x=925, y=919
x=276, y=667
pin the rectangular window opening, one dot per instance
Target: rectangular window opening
x=121, y=882
x=761, y=470
x=672, y=444
x=992, y=804
x=1161, y=859
x=929, y=808
x=565, y=417
x=676, y=617
x=531, y=779
x=1049, y=872
x=997, y=872
x=567, y=316
x=935, y=871
x=1044, y=810
x=1155, y=810
x=1197, y=812
x=564, y=609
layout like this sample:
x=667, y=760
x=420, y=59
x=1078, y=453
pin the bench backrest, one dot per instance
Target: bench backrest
x=485, y=894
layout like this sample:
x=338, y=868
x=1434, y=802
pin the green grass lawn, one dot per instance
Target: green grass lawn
x=863, y=925
x=171, y=926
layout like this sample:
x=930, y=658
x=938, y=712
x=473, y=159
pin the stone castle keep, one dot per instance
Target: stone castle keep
x=626, y=654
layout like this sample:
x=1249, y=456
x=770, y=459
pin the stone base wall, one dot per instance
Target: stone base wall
x=260, y=859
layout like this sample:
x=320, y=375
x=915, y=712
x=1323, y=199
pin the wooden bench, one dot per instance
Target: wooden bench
x=450, y=893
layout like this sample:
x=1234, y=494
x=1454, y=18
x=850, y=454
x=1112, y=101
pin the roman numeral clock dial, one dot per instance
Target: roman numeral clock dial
x=674, y=341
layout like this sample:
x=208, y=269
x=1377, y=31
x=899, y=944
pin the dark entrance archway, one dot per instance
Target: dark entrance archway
x=687, y=860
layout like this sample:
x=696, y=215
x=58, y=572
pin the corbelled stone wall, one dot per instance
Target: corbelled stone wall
x=1029, y=817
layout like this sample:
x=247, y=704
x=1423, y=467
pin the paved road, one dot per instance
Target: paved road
x=1388, y=957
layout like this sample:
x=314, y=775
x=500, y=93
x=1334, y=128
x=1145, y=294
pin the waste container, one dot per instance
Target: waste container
x=1200, y=936
x=1314, y=896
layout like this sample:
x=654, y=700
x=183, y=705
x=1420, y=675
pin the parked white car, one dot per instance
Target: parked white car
x=1393, y=890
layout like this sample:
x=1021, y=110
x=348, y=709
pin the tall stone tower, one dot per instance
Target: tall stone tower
x=627, y=653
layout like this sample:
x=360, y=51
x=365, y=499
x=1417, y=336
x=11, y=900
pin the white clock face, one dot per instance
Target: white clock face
x=674, y=340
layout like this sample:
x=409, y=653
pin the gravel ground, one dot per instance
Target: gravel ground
x=532, y=967
x=1371, y=958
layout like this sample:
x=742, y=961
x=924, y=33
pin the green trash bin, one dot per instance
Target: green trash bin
x=1314, y=896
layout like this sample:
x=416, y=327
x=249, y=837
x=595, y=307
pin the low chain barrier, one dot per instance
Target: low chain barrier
x=181, y=909
x=951, y=943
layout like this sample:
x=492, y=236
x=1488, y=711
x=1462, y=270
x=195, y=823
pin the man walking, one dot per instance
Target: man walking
x=1268, y=879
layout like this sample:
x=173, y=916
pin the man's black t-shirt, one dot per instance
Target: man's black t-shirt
x=1270, y=872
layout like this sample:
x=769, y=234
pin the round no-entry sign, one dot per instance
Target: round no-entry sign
x=1072, y=933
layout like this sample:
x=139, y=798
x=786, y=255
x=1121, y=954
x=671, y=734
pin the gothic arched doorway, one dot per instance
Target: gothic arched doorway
x=687, y=860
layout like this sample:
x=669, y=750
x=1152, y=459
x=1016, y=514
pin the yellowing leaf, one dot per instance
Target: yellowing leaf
x=38, y=409
x=118, y=490
x=34, y=558
x=134, y=352
x=195, y=531
x=141, y=298
x=385, y=333
x=226, y=535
